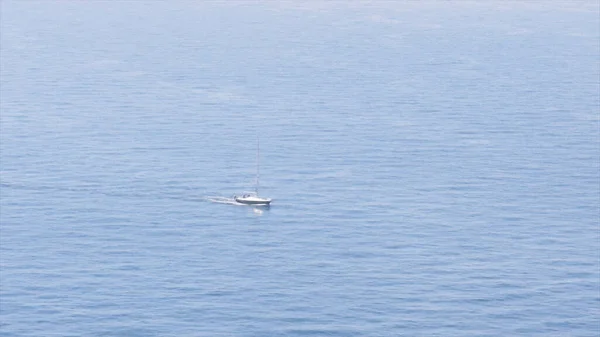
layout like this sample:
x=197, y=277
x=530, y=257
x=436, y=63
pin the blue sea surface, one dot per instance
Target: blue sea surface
x=434, y=167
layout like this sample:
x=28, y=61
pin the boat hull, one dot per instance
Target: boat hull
x=253, y=201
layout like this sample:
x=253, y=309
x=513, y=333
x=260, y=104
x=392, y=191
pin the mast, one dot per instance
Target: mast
x=257, y=164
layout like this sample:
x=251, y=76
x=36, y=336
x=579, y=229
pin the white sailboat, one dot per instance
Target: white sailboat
x=252, y=198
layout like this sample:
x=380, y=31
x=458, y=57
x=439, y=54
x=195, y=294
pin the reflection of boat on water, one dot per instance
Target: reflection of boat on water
x=252, y=198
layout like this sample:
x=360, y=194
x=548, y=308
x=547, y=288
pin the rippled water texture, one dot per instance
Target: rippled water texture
x=434, y=168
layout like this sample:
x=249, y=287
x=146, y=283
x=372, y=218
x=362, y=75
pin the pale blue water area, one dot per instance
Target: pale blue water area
x=434, y=168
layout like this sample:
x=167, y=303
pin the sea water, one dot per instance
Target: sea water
x=434, y=168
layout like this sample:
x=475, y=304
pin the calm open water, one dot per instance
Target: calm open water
x=435, y=168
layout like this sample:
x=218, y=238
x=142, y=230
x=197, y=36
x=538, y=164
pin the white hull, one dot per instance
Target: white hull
x=253, y=200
